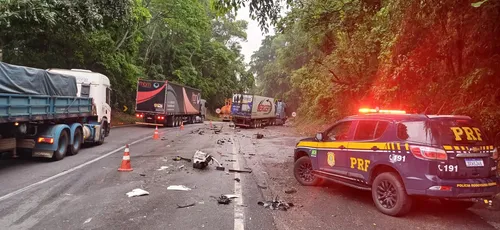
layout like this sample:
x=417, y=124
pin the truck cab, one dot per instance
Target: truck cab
x=96, y=86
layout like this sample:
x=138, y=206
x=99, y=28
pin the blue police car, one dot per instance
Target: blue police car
x=399, y=156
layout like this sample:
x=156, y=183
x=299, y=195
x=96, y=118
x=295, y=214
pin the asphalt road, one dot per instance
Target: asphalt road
x=87, y=192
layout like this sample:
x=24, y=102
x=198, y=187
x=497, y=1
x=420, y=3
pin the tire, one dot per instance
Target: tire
x=302, y=170
x=77, y=142
x=456, y=204
x=102, y=136
x=389, y=195
x=62, y=146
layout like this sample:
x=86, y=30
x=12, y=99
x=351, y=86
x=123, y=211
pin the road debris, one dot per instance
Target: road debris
x=240, y=170
x=237, y=179
x=162, y=168
x=231, y=160
x=186, y=205
x=276, y=204
x=179, y=158
x=225, y=199
x=178, y=188
x=87, y=221
x=181, y=167
x=290, y=191
x=251, y=154
x=201, y=160
x=261, y=186
x=259, y=136
x=137, y=192
x=142, y=174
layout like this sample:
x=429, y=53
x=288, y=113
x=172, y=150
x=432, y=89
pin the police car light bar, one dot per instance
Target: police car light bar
x=366, y=110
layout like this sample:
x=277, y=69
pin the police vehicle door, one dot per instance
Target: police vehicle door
x=332, y=151
x=366, y=147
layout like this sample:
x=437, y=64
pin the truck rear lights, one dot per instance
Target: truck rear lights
x=47, y=140
x=440, y=188
x=160, y=118
x=428, y=153
x=139, y=115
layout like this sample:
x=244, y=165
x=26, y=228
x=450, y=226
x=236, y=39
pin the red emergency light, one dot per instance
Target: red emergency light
x=367, y=110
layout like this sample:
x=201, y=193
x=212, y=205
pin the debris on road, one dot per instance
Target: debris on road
x=231, y=160
x=290, y=191
x=240, y=170
x=162, y=168
x=201, y=160
x=87, y=221
x=186, y=205
x=179, y=158
x=231, y=196
x=276, y=204
x=251, y=154
x=178, y=188
x=181, y=167
x=237, y=179
x=224, y=199
x=259, y=136
x=261, y=186
x=137, y=192
x=142, y=174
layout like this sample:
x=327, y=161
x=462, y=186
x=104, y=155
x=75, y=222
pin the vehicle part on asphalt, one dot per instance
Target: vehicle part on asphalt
x=179, y=158
x=240, y=170
x=290, y=191
x=259, y=136
x=137, y=192
x=276, y=204
x=186, y=205
x=222, y=199
x=178, y=188
x=162, y=168
x=142, y=174
x=237, y=179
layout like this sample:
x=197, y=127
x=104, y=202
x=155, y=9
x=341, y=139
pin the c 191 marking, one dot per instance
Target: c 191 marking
x=448, y=168
x=393, y=158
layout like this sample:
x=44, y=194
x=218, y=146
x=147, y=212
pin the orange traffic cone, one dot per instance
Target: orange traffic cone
x=182, y=125
x=156, y=136
x=125, y=166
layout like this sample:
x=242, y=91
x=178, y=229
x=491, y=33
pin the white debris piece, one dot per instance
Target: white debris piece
x=87, y=221
x=231, y=196
x=137, y=192
x=162, y=168
x=178, y=188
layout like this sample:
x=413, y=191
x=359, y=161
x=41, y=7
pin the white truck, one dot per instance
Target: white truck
x=51, y=113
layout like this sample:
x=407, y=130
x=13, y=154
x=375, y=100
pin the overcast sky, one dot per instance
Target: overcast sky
x=254, y=35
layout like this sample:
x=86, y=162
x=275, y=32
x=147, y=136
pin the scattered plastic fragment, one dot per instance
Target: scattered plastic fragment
x=179, y=158
x=87, y=221
x=259, y=136
x=186, y=205
x=231, y=196
x=290, y=191
x=142, y=174
x=222, y=199
x=240, y=170
x=162, y=168
x=137, y=192
x=276, y=204
x=237, y=179
x=178, y=188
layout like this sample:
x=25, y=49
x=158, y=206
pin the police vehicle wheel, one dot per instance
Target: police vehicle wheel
x=302, y=170
x=389, y=195
x=456, y=204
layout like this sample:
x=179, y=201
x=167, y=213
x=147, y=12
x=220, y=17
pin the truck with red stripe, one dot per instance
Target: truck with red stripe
x=164, y=103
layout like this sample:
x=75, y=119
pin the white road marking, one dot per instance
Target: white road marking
x=239, y=214
x=4, y=197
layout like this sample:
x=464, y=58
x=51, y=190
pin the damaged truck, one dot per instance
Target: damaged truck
x=255, y=111
x=51, y=113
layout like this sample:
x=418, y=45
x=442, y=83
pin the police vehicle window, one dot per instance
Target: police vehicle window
x=365, y=130
x=416, y=131
x=339, y=132
x=459, y=131
x=381, y=127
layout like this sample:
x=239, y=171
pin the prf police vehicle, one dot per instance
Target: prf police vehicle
x=398, y=156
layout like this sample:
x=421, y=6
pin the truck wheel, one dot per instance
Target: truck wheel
x=77, y=142
x=389, y=195
x=62, y=146
x=101, y=136
x=302, y=170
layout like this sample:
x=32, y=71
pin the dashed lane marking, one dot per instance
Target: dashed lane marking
x=239, y=214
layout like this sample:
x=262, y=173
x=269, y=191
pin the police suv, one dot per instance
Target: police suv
x=399, y=156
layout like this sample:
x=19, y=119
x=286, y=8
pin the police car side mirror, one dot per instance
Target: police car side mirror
x=319, y=136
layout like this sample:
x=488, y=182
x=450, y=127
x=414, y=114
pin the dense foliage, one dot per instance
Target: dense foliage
x=331, y=57
x=187, y=42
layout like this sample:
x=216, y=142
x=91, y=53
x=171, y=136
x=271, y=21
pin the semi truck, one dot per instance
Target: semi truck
x=257, y=111
x=51, y=113
x=164, y=103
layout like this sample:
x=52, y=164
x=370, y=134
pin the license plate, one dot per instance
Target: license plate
x=474, y=163
x=149, y=118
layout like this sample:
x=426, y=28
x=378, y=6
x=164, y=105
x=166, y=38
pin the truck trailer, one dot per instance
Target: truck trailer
x=51, y=113
x=257, y=111
x=164, y=103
